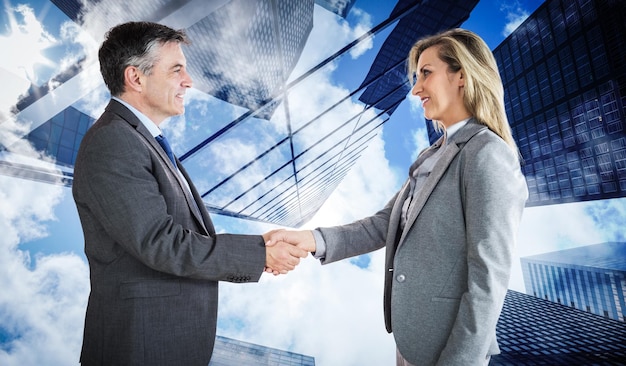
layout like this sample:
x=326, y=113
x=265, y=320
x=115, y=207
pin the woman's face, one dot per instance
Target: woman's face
x=439, y=89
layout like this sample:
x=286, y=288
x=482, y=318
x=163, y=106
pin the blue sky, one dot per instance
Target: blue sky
x=44, y=275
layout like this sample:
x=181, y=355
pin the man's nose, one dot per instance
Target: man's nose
x=187, y=81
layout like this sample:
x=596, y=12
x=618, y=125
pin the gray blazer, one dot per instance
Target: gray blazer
x=447, y=272
x=154, y=263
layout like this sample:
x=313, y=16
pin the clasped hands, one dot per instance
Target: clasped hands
x=285, y=248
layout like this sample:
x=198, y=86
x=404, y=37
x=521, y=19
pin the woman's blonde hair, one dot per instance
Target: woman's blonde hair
x=483, y=93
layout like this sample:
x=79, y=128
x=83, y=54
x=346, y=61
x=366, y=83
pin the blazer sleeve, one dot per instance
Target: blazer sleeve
x=129, y=203
x=360, y=237
x=494, y=194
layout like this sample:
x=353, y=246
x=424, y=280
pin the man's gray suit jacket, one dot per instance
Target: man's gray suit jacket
x=154, y=262
x=447, y=272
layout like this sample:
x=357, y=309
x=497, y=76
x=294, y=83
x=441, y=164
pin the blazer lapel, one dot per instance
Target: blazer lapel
x=450, y=150
x=394, y=222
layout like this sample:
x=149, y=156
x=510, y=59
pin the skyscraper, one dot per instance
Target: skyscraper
x=534, y=331
x=228, y=352
x=339, y=7
x=590, y=278
x=565, y=88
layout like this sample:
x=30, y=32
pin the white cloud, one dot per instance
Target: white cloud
x=333, y=313
x=25, y=29
x=515, y=15
x=364, y=25
x=42, y=302
x=17, y=68
x=420, y=140
x=329, y=35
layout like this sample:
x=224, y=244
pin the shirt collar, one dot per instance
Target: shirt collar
x=151, y=126
x=455, y=127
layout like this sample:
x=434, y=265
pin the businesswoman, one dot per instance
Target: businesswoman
x=450, y=231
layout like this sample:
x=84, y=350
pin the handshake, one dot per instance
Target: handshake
x=283, y=249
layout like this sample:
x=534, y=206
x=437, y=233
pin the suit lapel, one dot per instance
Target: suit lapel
x=130, y=117
x=203, y=215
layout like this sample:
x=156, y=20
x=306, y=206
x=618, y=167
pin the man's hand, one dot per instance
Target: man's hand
x=301, y=240
x=281, y=257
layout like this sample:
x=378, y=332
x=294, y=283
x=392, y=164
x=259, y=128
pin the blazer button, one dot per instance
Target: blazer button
x=401, y=278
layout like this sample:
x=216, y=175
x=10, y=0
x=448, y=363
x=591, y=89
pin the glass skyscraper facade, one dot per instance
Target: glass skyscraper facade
x=229, y=352
x=339, y=7
x=590, y=278
x=534, y=331
x=565, y=93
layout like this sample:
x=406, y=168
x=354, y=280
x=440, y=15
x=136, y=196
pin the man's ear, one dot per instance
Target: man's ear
x=132, y=78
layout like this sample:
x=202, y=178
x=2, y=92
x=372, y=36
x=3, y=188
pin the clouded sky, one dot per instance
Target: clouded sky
x=332, y=312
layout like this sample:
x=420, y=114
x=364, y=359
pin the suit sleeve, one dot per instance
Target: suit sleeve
x=494, y=194
x=123, y=191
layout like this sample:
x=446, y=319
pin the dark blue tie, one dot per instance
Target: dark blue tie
x=166, y=147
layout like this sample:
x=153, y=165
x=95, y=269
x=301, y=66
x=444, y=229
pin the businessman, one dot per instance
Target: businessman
x=154, y=257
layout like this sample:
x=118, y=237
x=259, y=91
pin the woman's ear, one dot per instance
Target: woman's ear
x=461, y=79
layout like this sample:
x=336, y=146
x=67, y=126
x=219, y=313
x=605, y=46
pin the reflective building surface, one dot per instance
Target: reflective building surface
x=229, y=352
x=565, y=88
x=590, y=278
x=534, y=331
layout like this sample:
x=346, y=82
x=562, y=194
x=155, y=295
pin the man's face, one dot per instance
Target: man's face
x=163, y=91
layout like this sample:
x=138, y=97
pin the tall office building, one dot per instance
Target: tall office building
x=339, y=7
x=229, y=352
x=565, y=94
x=534, y=331
x=246, y=50
x=590, y=278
